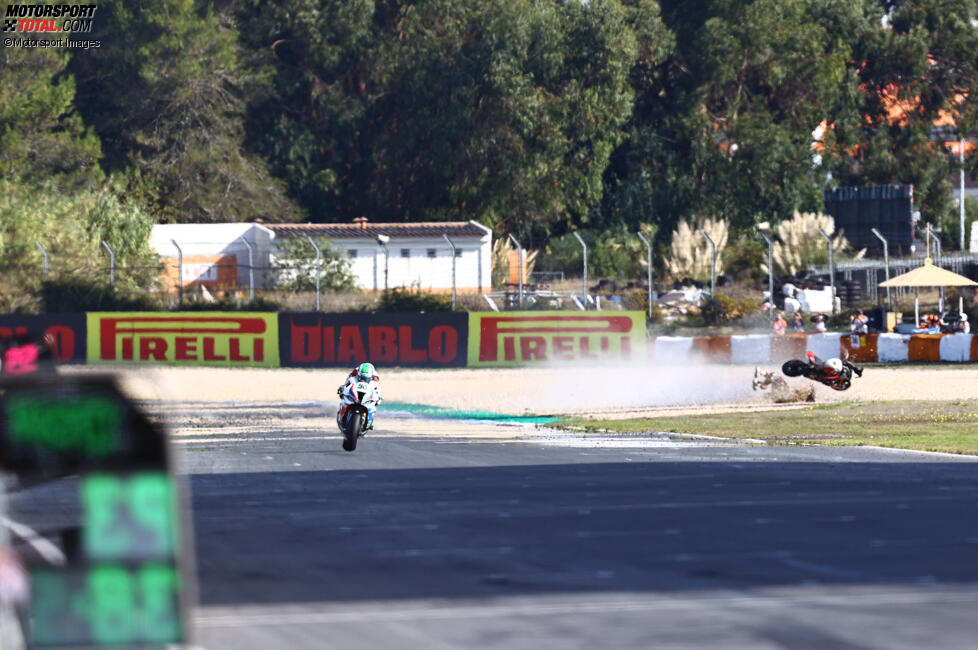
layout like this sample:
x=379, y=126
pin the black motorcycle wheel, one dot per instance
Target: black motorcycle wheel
x=351, y=430
x=845, y=381
x=794, y=368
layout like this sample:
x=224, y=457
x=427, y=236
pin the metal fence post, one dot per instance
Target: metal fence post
x=382, y=240
x=713, y=274
x=47, y=266
x=713, y=264
x=961, y=203
x=519, y=262
x=886, y=262
x=111, y=262
x=770, y=271
x=251, y=269
x=587, y=289
x=452, y=244
x=648, y=246
x=831, y=266
x=939, y=252
x=319, y=257
x=179, y=272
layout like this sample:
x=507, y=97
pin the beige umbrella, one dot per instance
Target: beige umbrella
x=928, y=276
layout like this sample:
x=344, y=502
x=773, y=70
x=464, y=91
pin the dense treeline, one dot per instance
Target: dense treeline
x=533, y=116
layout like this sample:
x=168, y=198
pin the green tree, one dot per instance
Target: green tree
x=167, y=94
x=71, y=227
x=724, y=129
x=42, y=137
x=919, y=69
x=502, y=111
x=612, y=253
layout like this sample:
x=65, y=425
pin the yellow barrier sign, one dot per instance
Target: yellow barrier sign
x=188, y=338
x=522, y=338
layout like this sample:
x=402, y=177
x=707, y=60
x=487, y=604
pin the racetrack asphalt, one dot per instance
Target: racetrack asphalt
x=535, y=539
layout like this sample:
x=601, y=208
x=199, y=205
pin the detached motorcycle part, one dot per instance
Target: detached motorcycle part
x=794, y=368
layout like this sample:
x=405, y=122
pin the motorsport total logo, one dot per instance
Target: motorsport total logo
x=67, y=18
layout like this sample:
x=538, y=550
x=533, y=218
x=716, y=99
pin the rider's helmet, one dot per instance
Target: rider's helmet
x=835, y=365
x=366, y=371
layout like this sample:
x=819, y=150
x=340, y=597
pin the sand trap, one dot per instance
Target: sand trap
x=605, y=392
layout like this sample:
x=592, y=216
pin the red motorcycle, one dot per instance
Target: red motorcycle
x=814, y=369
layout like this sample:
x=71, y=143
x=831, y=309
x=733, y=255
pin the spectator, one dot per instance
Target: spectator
x=964, y=327
x=819, y=320
x=860, y=322
x=780, y=325
x=798, y=323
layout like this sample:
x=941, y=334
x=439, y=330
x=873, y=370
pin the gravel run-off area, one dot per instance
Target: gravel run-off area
x=627, y=391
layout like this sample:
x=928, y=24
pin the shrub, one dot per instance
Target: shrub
x=690, y=253
x=402, y=299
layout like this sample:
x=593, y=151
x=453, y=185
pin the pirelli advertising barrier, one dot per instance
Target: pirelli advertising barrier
x=68, y=331
x=436, y=340
x=304, y=340
x=191, y=338
x=547, y=337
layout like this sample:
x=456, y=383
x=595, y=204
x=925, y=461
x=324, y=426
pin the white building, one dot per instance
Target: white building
x=412, y=254
x=409, y=254
x=215, y=255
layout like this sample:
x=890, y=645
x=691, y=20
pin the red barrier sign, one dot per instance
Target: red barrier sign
x=407, y=339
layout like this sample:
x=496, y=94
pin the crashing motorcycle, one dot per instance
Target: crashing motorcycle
x=358, y=402
x=814, y=370
x=772, y=380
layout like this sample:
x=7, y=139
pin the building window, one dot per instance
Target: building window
x=432, y=252
x=405, y=252
x=352, y=252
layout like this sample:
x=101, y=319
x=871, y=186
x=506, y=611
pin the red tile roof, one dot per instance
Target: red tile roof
x=371, y=230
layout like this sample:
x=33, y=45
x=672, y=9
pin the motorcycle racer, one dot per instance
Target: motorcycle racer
x=831, y=368
x=364, y=372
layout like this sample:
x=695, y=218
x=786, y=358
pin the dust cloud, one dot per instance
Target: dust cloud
x=625, y=386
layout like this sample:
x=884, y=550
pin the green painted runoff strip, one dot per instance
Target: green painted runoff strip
x=430, y=411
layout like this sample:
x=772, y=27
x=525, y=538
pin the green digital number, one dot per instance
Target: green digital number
x=49, y=606
x=151, y=505
x=107, y=604
x=128, y=518
x=89, y=424
x=112, y=612
x=104, y=531
x=160, y=619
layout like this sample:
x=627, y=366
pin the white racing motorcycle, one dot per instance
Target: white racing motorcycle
x=358, y=401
